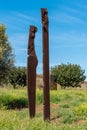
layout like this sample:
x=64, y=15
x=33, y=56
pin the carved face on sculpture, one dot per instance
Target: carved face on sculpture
x=44, y=13
x=32, y=31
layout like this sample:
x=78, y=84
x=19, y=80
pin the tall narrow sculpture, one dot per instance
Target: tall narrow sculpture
x=31, y=71
x=45, y=31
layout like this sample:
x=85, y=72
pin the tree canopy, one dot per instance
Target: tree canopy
x=68, y=75
x=6, y=55
x=18, y=76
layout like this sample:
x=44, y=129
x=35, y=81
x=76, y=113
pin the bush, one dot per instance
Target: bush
x=8, y=102
x=18, y=76
x=13, y=99
x=68, y=75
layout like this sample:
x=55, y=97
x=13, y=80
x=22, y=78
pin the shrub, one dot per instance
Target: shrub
x=68, y=75
x=10, y=99
x=18, y=76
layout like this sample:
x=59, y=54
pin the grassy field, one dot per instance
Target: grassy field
x=68, y=110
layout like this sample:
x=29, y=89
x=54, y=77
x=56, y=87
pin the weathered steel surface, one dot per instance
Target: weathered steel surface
x=31, y=71
x=45, y=35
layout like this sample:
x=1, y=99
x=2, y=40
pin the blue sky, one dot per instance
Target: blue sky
x=67, y=29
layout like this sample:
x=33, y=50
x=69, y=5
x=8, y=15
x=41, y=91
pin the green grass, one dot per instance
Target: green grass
x=10, y=99
x=68, y=110
x=18, y=120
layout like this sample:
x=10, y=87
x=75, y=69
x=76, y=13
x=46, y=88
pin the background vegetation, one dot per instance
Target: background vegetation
x=68, y=75
x=17, y=76
x=6, y=56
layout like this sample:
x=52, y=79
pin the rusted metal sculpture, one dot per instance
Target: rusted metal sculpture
x=31, y=71
x=44, y=15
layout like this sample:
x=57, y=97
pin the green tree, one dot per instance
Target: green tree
x=68, y=75
x=6, y=56
x=18, y=76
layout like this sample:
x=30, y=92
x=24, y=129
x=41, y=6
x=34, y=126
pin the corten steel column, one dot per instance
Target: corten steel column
x=45, y=35
x=31, y=71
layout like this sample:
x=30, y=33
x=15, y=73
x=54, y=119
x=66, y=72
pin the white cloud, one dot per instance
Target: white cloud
x=23, y=16
x=67, y=18
x=17, y=21
x=68, y=39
